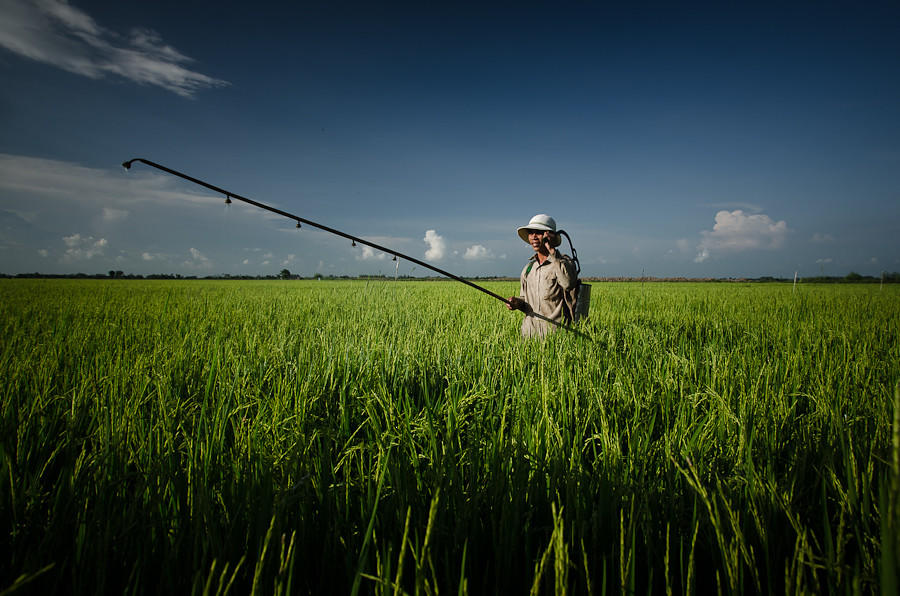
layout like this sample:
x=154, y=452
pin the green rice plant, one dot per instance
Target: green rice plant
x=400, y=437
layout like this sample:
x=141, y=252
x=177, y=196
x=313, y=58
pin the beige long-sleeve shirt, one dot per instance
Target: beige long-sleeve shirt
x=543, y=286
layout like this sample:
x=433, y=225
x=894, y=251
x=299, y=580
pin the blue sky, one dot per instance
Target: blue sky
x=670, y=139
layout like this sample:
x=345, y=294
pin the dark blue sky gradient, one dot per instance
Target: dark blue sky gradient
x=634, y=125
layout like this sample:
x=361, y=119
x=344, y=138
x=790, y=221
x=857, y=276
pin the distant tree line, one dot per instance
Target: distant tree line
x=852, y=277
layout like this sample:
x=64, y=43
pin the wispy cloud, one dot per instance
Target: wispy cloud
x=91, y=187
x=198, y=260
x=735, y=231
x=111, y=215
x=683, y=245
x=59, y=34
x=437, y=247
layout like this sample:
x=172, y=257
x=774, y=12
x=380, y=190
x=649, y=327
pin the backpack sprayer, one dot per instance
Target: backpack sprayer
x=354, y=239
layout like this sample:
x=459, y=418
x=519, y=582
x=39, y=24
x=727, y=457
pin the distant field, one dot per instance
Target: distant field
x=349, y=436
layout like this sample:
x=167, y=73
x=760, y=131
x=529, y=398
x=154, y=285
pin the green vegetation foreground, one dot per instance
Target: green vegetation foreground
x=335, y=437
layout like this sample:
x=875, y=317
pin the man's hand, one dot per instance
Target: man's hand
x=516, y=303
x=547, y=241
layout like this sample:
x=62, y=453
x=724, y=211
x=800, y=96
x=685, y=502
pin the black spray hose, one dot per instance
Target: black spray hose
x=574, y=253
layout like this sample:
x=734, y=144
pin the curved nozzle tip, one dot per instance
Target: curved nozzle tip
x=127, y=164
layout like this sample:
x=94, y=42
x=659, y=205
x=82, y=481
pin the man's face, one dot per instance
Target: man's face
x=537, y=238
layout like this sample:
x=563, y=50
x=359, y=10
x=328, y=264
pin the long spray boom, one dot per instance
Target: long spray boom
x=301, y=220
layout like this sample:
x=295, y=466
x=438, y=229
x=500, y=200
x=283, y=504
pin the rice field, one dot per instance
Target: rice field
x=274, y=437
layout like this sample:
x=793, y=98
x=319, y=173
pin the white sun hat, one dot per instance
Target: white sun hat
x=540, y=221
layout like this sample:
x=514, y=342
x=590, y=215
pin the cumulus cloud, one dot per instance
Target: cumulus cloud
x=57, y=33
x=735, y=231
x=437, y=247
x=732, y=205
x=83, y=248
x=822, y=238
x=368, y=254
x=477, y=252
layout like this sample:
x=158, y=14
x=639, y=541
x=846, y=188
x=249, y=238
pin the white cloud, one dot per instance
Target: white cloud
x=43, y=252
x=477, y=252
x=822, y=238
x=437, y=248
x=81, y=248
x=147, y=256
x=734, y=231
x=197, y=260
x=57, y=33
x=824, y=261
x=368, y=254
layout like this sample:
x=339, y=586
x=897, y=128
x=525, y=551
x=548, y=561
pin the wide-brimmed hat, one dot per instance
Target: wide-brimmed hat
x=541, y=221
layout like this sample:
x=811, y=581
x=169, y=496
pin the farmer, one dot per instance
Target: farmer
x=545, y=278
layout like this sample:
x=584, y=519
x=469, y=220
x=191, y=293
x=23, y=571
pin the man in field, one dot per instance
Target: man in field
x=544, y=280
